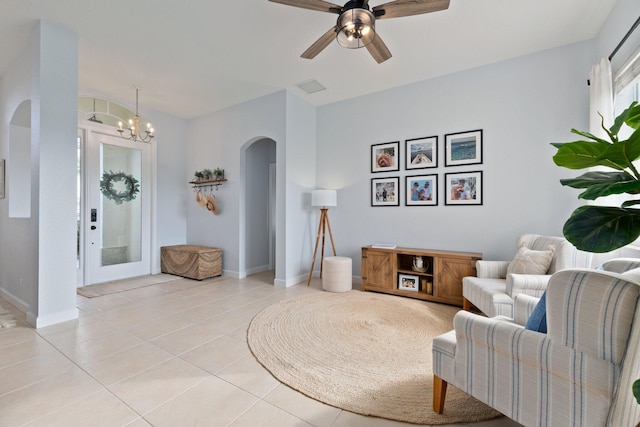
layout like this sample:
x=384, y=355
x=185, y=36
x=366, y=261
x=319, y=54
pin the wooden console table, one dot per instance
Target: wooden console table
x=391, y=271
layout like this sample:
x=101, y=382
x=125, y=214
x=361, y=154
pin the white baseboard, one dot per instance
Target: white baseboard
x=54, y=318
x=255, y=270
x=232, y=274
x=18, y=303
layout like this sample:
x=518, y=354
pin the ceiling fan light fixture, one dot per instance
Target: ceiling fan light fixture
x=356, y=28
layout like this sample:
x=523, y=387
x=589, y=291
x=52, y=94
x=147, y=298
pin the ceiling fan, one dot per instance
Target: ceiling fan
x=356, y=22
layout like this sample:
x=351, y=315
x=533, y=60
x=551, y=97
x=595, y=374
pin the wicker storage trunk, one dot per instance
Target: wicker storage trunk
x=193, y=262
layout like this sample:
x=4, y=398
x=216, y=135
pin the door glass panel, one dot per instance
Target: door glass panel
x=78, y=198
x=120, y=172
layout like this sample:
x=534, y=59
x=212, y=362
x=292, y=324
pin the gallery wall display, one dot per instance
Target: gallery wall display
x=463, y=148
x=421, y=190
x=459, y=188
x=421, y=153
x=463, y=188
x=385, y=191
x=385, y=157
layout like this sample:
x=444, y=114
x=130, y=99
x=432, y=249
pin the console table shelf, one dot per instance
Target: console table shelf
x=391, y=271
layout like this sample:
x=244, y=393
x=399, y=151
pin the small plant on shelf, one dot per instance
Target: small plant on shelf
x=208, y=174
x=199, y=176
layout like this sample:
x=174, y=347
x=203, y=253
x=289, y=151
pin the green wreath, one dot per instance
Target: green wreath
x=108, y=187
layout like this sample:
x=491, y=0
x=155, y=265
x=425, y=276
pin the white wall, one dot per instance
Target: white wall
x=54, y=131
x=37, y=253
x=220, y=140
x=171, y=179
x=217, y=140
x=522, y=105
x=301, y=221
x=18, y=236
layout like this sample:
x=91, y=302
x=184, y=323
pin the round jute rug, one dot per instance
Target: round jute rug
x=363, y=352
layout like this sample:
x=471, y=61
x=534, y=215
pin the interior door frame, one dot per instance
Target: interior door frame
x=84, y=275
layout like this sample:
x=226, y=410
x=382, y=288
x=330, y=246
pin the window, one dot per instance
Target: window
x=626, y=84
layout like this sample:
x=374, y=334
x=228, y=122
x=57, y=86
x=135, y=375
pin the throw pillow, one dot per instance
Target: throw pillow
x=538, y=319
x=528, y=261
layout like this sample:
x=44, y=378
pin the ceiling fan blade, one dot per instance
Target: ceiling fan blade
x=398, y=8
x=319, y=5
x=320, y=44
x=378, y=50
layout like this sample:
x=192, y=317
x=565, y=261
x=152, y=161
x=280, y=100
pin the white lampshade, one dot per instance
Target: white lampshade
x=324, y=198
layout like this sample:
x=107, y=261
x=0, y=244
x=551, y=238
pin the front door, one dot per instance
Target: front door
x=117, y=209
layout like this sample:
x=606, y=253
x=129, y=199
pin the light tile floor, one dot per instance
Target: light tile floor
x=172, y=354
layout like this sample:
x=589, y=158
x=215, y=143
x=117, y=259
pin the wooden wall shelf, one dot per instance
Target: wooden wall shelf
x=208, y=183
x=440, y=282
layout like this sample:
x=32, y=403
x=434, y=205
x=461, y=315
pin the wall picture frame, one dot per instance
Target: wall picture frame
x=421, y=153
x=463, y=148
x=385, y=157
x=463, y=188
x=408, y=282
x=421, y=190
x=385, y=191
x=2, y=178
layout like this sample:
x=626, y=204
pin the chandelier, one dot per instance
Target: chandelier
x=134, y=128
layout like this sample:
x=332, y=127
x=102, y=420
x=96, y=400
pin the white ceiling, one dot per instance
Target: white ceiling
x=194, y=57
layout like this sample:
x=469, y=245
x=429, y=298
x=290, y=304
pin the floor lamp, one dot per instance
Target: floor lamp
x=323, y=199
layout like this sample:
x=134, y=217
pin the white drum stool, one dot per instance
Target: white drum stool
x=336, y=274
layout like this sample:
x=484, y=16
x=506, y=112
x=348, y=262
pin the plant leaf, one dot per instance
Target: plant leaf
x=602, y=229
x=583, y=154
x=601, y=183
x=633, y=146
x=590, y=136
x=636, y=390
x=630, y=116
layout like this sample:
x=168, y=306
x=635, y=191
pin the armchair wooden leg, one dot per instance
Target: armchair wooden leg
x=439, y=394
x=466, y=305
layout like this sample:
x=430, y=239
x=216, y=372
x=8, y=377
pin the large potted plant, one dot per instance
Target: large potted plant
x=605, y=228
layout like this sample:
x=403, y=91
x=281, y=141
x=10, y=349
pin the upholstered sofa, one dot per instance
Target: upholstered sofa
x=578, y=374
x=492, y=291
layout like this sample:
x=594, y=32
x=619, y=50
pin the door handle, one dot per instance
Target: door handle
x=93, y=227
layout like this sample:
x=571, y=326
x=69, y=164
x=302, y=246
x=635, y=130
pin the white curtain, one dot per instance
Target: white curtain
x=600, y=98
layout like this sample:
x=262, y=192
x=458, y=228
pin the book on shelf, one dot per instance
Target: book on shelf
x=383, y=246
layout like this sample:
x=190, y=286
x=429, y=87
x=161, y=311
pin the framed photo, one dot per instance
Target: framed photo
x=385, y=157
x=422, y=190
x=463, y=148
x=464, y=188
x=408, y=282
x=421, y=153
x=385, y=191
x=2, y=180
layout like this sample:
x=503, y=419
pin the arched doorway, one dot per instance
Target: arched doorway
x=259, y=201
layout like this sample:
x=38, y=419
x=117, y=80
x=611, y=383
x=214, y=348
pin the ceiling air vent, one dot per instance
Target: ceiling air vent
x=311, y=86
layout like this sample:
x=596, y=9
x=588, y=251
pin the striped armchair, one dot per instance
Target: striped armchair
x=579, y=374
x=492, y=291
